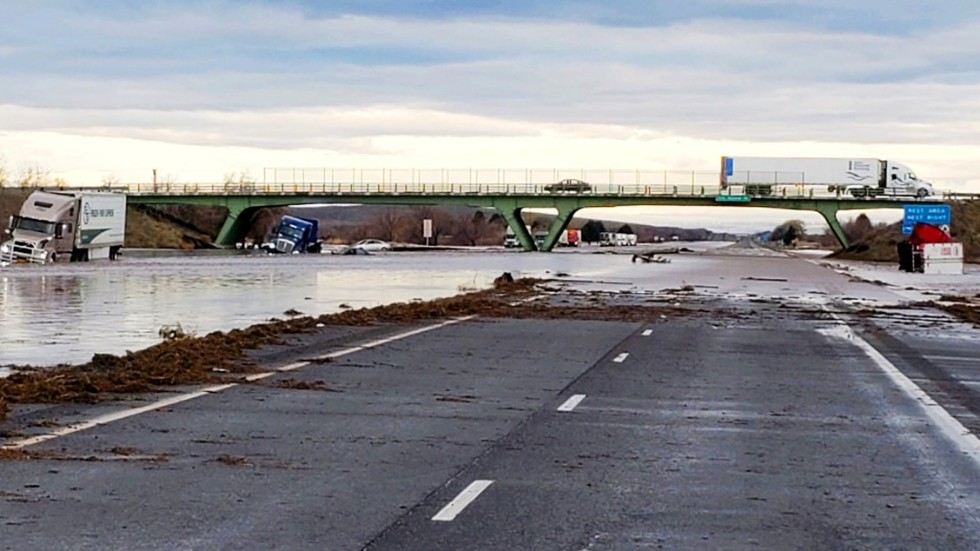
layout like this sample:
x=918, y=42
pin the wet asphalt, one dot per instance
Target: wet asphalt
x=766, y=430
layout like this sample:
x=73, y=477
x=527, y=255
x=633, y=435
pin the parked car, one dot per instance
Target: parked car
x=372, y=245
x=578, y=186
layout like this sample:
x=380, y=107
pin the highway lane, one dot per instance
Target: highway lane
x=773, y=437
x=758, y=427
x=262, y=467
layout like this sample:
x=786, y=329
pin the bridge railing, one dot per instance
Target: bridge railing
x=326, y=181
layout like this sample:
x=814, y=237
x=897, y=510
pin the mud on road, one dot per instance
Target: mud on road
x=223, y=357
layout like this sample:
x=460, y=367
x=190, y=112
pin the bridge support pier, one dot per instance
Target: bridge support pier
x=829, y=212
x=512, y=214
x=236, y=224
x=565, y=214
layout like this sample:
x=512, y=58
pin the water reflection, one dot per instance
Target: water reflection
x=66, y=313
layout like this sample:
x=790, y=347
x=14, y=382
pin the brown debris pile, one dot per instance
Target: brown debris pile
x=963, y=311
x=203, y=360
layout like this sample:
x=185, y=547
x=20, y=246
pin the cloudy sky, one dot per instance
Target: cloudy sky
x=199, y=90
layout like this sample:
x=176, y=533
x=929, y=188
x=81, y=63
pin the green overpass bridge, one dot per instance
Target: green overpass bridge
x=509, y=192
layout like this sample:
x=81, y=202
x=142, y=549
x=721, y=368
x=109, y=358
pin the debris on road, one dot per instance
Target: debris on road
x=221, y=357
x=650, y=257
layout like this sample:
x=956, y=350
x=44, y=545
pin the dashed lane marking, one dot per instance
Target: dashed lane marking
x=572, y=402
x=621, y=358
x=647, y=332
x=467, y=496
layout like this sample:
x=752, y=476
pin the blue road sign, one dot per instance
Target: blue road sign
x=937, y=215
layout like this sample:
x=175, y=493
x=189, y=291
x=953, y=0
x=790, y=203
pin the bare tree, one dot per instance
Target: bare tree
x=32, y=176
x=383, y=225
x=3, y=171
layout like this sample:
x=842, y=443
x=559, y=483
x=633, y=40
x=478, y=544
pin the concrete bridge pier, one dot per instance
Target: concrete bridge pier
x=236, y=224
x=512, y=214
x=560, y=223
x=829, y=212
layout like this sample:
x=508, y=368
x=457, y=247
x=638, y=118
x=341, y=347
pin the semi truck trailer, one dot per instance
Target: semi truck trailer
x=859, y=177
x=73, y=226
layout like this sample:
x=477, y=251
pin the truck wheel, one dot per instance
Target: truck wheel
x=53, y=258
x=922, y=193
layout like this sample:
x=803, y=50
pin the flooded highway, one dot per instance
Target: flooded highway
x=67, y=312
x=742, y=398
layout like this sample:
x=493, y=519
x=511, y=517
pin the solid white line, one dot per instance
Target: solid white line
x=621, y=358
x=572, y=402
x=647, y=332
x=456, y=506
x=949, y=425
x=115, y=416
x=123, y=414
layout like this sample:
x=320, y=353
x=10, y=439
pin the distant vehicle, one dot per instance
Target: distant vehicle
x=296, y=235
x=510, y=240
x=612, y=239
x=577, y=186
x=54, y=226
x=372, y=245
x=858, y=177
x=570, y=238
x=539, y=238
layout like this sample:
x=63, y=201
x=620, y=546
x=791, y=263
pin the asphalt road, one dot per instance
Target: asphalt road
x=775, y=429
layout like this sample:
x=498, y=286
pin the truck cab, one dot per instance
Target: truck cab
x=66, y=226
x=901, y=180
x=296, y=235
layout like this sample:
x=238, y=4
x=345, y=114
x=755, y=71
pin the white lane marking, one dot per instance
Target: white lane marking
x=953, y=359
x=572, y=402
x=467, y=496
x=119, y=415
x=292, y=366
x=621, y=358
x=949, y=425
x=115, y=416
x=647, y=332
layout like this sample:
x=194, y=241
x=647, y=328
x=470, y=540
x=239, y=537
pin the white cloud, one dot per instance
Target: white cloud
x=229, y=87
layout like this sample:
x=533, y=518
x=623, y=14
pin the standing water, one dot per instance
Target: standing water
x=67, y=312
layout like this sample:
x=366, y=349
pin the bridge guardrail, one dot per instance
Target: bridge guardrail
x=627, y=183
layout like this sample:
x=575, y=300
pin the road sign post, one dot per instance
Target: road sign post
x=427, y=230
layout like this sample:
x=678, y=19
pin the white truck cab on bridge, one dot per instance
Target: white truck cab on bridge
x=859, y=177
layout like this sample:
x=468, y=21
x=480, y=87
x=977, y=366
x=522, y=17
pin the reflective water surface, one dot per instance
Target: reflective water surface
x=66, y=313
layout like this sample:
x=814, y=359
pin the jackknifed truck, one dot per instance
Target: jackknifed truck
x=859, y=177
x=66, y=226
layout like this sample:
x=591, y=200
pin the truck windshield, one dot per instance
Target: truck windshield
x=30, y=224
x=290, y=232
x=912, y=176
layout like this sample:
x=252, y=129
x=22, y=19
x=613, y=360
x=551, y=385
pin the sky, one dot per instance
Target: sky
x=111, y=90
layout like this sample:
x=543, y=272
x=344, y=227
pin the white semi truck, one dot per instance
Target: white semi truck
x=857, y=176
x=75, y=226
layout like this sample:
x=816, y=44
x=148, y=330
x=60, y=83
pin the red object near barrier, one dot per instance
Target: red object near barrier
x=923, y=233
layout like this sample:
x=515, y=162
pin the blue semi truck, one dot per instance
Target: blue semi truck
x=296, y=235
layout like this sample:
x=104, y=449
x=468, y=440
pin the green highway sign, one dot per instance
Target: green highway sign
x=732, y=199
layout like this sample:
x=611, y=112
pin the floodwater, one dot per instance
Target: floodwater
x=66, y=313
